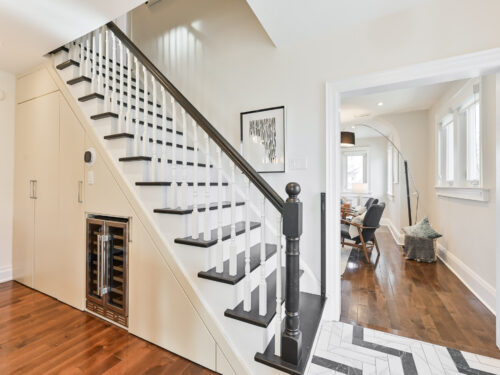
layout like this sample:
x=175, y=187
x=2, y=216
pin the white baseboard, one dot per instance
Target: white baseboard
x=398, y=237
x=480, y=288
x=5, y=273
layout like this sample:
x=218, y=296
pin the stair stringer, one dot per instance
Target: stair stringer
x=224, y=344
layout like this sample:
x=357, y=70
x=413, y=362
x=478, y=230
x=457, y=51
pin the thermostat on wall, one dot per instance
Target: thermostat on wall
x=89, y=156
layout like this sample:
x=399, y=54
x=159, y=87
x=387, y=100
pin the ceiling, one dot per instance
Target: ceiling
x=359, y=108
x=287, y=21
x=31, y=28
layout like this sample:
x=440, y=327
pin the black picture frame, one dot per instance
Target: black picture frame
x=280, y=140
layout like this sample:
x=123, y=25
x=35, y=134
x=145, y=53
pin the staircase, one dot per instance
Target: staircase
x=221, y=218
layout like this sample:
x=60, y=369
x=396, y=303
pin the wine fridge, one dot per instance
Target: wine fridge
x=107, y=267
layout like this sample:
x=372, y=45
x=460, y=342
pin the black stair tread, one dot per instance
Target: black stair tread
x=94, y=95
x=59, y=49
x=224, y=277
x=169, y=183
x=190, y=209
x=79, y=79
x=131, y=136
x=310, y=311
x=67, y=63
x=104, y=115
x=169, y=161
x=226, y=234
x=132, y=108
x=252, y=316
x=141, y=122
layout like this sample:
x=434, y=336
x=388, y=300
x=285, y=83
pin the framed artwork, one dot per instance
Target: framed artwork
x=263, y=139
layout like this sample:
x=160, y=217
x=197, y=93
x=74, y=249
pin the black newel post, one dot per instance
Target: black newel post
x=291, y=340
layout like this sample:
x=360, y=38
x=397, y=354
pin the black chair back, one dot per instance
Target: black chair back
x=369, y=202
x=372, y=220
x=375, y=201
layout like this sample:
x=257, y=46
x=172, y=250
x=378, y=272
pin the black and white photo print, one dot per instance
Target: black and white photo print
x=263, y=139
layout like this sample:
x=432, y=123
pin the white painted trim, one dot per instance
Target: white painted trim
x=5, y=273
x=473, y=194
x=477, y=285
x=397, y=235
x=428, y=73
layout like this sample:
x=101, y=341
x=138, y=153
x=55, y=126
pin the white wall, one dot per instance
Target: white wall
x=468, y=227
x=219, y=56
x=7, y=124
x=411, y=131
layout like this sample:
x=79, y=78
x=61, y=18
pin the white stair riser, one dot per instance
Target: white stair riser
x=144, y=169
x=203, y=258
x=70, y=72
x=126, y=145
x=161, y=195
x=182, y=225
x=80, y=89
x=60, y=57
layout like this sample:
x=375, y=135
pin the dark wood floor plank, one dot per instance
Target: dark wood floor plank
x=40, y=335
x=417, y=300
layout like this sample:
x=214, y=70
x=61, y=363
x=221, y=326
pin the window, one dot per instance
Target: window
x=390, y=170
x=355, y=168
x=471, y=119
x=459, y=156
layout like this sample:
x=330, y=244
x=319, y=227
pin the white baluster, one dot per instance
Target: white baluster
x=114, y=73
x=184, y=161
x=105, y=71
x=154, y=156
x=121, y=122
x=94, y=64
x=128, y=124
x=137, y=133
x=232, y=248
x=100, y=85
x=173, y=187
x=220, y=248
x=207, y=234
x=247, y=286
x=277, y=333
x=145, y=128
x=263, y=284
x=80, y=57
x=87, y=55
x=196, y=213
x=164, y=161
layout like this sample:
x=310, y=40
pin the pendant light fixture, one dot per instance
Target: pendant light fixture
x=347, y=139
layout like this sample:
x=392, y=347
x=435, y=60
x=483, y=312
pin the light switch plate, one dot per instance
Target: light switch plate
x=297, y=163
x=90, y=177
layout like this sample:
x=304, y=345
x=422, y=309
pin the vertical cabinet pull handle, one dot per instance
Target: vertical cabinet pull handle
x=80, y=186
x=104, y=265
x=31, y=189
x=35, y=185
x=98, y=265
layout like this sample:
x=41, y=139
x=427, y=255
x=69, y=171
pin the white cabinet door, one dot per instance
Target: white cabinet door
x=71, y=250
x=45, y=129
x=24, y=205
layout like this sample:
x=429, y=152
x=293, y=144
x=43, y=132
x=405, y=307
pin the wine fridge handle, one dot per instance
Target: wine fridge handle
x=99, y=265
x=103, y=264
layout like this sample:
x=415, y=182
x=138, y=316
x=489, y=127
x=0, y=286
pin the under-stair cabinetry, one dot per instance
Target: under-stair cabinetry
x=49, y=221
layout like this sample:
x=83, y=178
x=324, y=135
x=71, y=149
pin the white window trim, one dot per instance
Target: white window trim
x=355, y=150
x=460, y=188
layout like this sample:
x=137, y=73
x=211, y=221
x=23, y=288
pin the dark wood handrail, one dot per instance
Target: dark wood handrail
x=225, y=146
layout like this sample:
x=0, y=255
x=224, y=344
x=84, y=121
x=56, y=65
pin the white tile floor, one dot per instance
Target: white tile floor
x=340, y=350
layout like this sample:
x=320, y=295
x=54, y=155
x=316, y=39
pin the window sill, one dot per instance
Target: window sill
x=468, y=193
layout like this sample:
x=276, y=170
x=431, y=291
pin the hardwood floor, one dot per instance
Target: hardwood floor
x=40, y=335
x=417, y=300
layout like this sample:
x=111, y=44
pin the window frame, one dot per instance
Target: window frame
x=353, y=151
x=466, y=97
